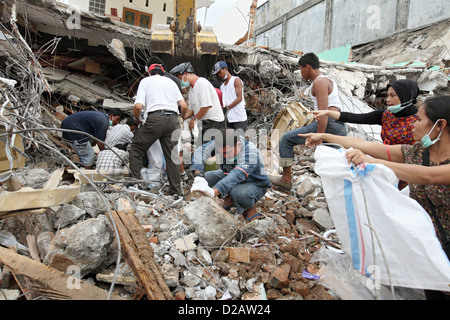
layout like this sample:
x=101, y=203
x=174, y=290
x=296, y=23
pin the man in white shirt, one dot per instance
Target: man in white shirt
x=232, y=97
x=204, y=103
x=158, y=98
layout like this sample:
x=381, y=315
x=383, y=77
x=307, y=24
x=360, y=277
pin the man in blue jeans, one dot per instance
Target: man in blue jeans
x=325, y=96
x=96, y=124
x=241, y=179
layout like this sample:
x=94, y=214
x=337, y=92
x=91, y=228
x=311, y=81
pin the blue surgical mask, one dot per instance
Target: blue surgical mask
x=396, y=108
x=399, y=107
x=110, y=123
x=426, y=140
x=185, y=84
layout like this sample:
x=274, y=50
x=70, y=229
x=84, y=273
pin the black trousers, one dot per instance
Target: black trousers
x=166, y=129
x=208, y=130
x=242, y=125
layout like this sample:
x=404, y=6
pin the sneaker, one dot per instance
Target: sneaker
x=177, y=197
x=184, y=176
x=277, y=182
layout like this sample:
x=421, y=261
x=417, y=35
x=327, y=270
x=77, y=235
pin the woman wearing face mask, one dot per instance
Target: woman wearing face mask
x=396, y=121
x=429, y=185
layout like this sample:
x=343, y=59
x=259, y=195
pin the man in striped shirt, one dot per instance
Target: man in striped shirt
x=120, y=134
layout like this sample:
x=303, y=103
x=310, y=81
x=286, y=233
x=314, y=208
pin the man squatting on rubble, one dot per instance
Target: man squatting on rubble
x=96, y=124
x=158, y=97
x=325, y=96
x=232, y=97
x=204, y=104
x=241, y=179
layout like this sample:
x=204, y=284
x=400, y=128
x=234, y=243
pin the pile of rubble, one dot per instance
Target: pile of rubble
x=202, y=251
x=66, y=227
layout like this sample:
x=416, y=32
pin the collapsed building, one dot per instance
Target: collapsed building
x=116, y=242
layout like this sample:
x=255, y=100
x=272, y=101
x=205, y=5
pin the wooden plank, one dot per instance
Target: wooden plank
x=18, y=160
x=28, y=198
x=139, y=255
x=32, y=246
x=51, y=282
x=92, y=175
x=54, y=180
x=13, y=183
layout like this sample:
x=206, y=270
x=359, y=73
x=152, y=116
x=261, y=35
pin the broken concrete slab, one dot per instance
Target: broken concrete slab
x=90, y=202
x=67, y=215
x=88, y=245
x=214, y=226
x=186, y=243
x=117, y=49
x=431, y=80
x=55, y=74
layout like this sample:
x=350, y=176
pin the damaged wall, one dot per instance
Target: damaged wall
x=322, y=25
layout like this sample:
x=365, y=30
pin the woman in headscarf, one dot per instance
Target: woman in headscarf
x=396, y=120
x=425, y=164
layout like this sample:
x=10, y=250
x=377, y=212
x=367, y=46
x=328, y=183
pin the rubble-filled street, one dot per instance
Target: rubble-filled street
x=63, y=226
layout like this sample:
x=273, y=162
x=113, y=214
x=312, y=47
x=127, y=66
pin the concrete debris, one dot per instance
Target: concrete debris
x=212, y=224
x=87, y=245
x=143, y=244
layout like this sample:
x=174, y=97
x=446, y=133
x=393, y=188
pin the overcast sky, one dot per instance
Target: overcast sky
x=214, y=12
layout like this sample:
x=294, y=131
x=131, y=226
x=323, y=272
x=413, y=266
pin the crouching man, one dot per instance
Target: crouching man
x=241, y=179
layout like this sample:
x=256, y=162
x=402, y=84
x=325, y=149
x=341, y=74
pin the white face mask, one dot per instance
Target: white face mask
x=399, y=107
x=426, y=140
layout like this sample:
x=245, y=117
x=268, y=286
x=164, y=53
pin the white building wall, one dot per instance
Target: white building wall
x=304, y=31
x=426, y=12
x=155, y=7
x=319, y=25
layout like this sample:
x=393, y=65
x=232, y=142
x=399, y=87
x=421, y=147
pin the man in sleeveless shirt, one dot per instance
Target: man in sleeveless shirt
x=232, y=97
x=325, y=95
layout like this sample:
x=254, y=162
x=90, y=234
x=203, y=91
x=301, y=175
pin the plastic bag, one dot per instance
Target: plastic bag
x=344, y=282
x=156, y=157
x=403, y=249
x=152, y=177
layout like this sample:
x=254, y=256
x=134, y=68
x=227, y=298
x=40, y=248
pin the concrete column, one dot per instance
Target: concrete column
x=284, y=31
x=401, y=22
x=328, y=25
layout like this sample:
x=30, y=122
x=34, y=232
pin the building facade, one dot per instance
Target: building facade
x=320, y=25
x=142, y=13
